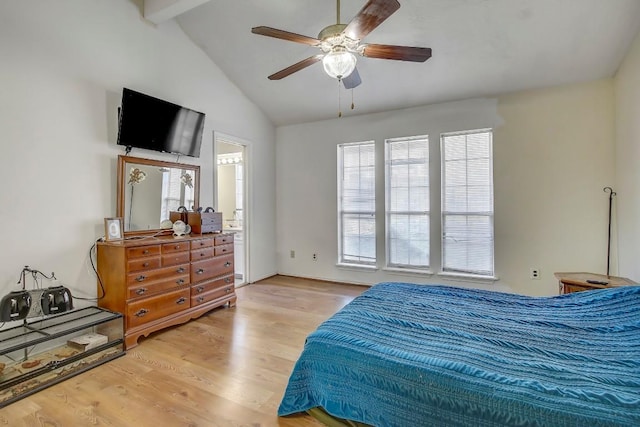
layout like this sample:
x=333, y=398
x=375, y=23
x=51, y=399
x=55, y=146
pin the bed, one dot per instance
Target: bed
x=402, y=354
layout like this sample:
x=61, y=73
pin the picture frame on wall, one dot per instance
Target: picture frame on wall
x=113, y=229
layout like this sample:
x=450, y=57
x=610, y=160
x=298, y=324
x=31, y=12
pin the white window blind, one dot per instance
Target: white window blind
x=356, y=203
x=173, y=191
x=467, y=202
x=407, y=202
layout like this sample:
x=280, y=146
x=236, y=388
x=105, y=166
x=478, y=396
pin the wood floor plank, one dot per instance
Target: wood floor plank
x=229, y=368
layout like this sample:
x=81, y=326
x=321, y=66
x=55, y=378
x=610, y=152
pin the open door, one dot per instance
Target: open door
x=231, y=186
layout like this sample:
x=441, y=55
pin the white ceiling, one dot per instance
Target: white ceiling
x=480, y=48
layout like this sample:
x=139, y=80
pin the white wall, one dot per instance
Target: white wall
x=64, y=64
x=553, y=154
x=627, y=90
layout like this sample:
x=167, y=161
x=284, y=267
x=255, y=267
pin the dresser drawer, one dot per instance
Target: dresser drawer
x=165, y=273
x=224, y=239
x=575, y=288
x=175, y=258
x=202, y=253
x=142, y=264
x=143, y=251
x=157, y=307
x=223, y=249
x=201, y=243
x=212, y=267
x=209, y=285
x=158, y=286
x=211, y=295
x=175, y=247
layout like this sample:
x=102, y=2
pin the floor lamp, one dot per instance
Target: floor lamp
x=611, y=194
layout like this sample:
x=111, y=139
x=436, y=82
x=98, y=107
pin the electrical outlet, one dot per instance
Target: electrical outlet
x=534, y=273
x=292, y=254
x=315, y=257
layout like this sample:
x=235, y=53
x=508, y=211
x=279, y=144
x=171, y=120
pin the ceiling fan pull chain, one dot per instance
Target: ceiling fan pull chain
x=337, y=11
x=352, y=104
x=339, y=100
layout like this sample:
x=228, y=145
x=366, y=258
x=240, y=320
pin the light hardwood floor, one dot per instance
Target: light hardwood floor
x=227, y=368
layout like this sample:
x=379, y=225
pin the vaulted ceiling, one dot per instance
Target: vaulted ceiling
x=480, y=48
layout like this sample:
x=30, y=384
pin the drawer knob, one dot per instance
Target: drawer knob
x=177, y=247
x=200, y=289
x=181, y=300
x=146, y=251
x=227, y=264
x=146, y=264
x=227, y=279
x=180, y=270
x=200, y=299
x=180, y=281
x=224, y=240
x=141, y=312
x=141, y=291
x=200, y=271
x=224, y=249
x=140, y=278
x=202, y=253
x=227, y=290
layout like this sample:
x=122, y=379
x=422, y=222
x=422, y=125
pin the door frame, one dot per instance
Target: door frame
x=247, y=198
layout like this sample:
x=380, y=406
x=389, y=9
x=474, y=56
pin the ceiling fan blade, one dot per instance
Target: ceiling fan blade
x=370, y=16
x=352, y=80
x=296, y=67
x=285, y=35
x=400, y=53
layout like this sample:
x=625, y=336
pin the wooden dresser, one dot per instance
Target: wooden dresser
x=576, y=282
x=157, y=282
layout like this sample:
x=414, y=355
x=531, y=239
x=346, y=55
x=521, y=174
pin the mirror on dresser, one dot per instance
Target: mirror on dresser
x=149, y=189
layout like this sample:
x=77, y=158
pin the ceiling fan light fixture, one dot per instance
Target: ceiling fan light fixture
x=339, y=63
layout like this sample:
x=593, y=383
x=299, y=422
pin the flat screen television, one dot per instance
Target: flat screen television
x=154, y=124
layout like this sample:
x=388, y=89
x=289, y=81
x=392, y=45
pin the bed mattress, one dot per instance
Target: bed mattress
x=402, y=354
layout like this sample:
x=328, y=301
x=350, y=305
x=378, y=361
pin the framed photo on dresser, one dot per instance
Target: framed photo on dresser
x=113, y=229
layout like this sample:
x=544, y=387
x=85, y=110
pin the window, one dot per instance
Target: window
x=174, y=190
x=407, y=202
x=356, y=203
x=467, y=202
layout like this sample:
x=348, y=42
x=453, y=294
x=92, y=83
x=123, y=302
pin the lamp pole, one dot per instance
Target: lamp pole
x=611, y=194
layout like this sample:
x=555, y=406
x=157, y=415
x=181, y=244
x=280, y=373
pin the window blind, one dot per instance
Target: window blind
x=467, y=203
x=407, y=202
x=356, y=203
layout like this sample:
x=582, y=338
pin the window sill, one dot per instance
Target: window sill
x=360, y=267
x=408, y=271
x=468, y=277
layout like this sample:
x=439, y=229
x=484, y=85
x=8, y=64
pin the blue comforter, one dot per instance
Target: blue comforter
x=409, y=355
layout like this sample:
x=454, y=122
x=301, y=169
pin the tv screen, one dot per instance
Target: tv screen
x=153, y=124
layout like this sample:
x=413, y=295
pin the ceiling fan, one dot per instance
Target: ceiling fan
x=340, y=43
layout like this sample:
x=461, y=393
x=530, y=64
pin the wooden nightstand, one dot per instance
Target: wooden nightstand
x=575, y=282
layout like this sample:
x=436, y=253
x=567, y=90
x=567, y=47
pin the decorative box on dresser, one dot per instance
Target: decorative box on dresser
x=156, y=282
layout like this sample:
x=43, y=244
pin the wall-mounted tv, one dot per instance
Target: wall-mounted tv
x=154, y=124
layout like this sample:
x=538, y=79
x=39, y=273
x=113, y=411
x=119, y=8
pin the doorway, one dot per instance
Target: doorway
x=231, y=190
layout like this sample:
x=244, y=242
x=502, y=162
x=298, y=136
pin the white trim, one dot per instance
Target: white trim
x=409, y=271
x=468, y=277
x=360, y=267
x=247, y=203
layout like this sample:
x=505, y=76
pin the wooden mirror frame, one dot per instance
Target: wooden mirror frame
x=124, y=161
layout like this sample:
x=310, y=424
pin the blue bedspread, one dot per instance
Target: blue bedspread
x=411, y=355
